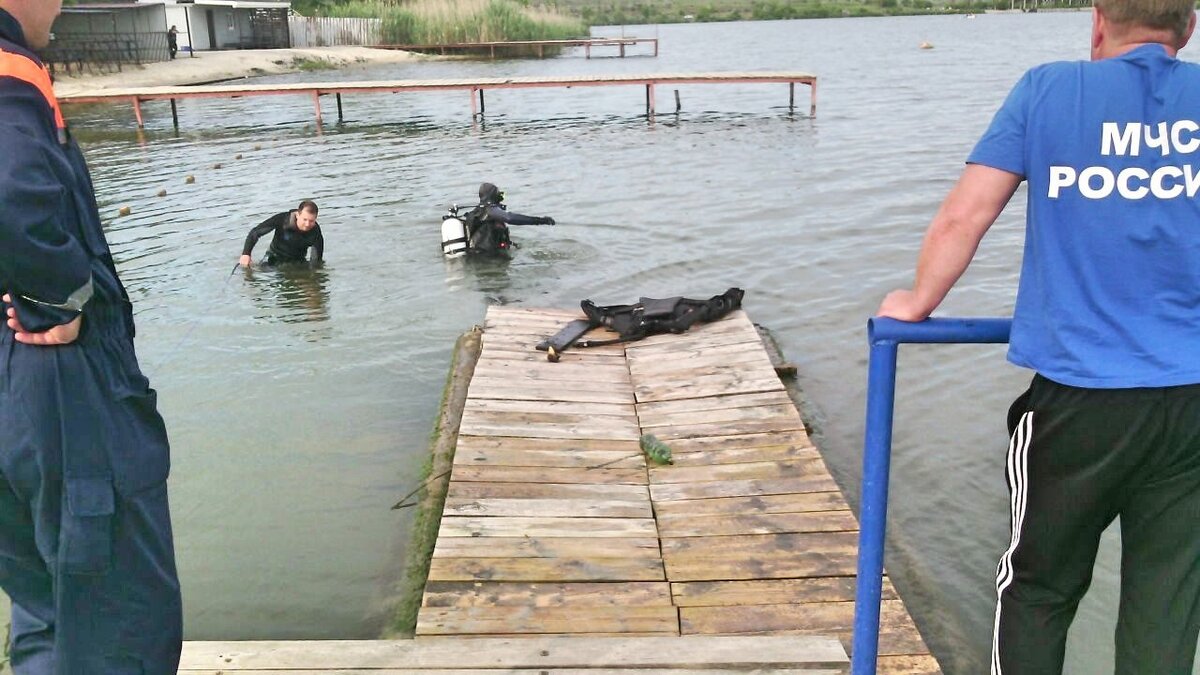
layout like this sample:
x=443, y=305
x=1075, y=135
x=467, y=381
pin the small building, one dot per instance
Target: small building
x=229, y=24
x=108, y=34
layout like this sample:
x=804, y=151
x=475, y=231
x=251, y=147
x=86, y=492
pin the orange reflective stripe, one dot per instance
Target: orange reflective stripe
x=27, y=70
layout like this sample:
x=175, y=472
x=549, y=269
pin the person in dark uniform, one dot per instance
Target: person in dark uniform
x=295, y=232
x=173, y=41
x=86, y=551
x=487, y=225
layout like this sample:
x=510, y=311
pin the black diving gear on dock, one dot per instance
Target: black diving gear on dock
x=648, y=316
x=289, y=243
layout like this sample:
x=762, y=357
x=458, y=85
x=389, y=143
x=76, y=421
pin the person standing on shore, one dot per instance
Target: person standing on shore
x=1108, y=316
x=86, y=552
x=173, y=41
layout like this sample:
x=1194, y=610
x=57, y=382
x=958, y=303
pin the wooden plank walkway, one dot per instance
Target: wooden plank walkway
x=137, y=95
x=800, y=655
x=554, y=525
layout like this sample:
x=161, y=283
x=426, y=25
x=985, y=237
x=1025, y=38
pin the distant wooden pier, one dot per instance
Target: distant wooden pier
x=475, y=87
x=528, y=46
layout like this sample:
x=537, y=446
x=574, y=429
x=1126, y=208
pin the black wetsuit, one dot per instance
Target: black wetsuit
x=289, y=244
x=489, y=227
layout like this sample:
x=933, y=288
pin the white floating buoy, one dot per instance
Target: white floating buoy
x=926, y=45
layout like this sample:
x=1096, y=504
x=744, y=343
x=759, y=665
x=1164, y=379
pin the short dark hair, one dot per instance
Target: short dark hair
x=1172, y=15
x=308, y=205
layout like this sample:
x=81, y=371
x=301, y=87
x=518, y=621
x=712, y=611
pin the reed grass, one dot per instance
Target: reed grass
x=454, y=21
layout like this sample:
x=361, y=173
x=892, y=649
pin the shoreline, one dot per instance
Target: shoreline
x=207, y=67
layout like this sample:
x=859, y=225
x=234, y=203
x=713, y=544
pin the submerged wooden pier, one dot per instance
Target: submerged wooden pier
x=475, y=87
x=529, y=46
x=561, y=550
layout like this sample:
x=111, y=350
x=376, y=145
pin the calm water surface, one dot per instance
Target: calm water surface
x=300, y=403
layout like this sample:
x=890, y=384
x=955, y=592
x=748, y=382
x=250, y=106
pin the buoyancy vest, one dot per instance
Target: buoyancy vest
x=21, y=67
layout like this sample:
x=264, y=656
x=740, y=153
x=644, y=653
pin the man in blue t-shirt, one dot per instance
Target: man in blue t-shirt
x=1108, y=316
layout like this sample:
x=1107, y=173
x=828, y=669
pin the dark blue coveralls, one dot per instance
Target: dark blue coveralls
x=86, y=552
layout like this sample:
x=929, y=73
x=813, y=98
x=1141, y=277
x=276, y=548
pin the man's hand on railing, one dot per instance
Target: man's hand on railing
x=903, y=305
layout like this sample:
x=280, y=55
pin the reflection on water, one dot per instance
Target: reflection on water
x=285, y=468
x=486, y=275
x=298, y=289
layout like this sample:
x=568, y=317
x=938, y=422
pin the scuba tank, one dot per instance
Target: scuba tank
x=454, y=233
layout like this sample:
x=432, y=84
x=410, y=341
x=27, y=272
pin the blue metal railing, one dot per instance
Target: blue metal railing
x=885, y=337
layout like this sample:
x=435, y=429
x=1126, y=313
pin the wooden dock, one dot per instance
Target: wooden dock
x=561, y=551
x=555, y=525
x=475, y=87
x=529, y=46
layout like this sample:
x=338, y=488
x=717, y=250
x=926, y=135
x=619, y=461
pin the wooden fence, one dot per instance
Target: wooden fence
x=333, y=32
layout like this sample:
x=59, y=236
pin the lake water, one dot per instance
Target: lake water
x=300, y=404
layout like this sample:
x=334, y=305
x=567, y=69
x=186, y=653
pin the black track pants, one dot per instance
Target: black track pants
x=1079, y=458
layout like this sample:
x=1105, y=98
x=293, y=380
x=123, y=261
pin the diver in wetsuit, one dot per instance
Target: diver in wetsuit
x=487, y=225
x=295, y=232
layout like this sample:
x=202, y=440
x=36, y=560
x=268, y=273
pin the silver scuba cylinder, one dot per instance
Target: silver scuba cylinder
x=454, y=234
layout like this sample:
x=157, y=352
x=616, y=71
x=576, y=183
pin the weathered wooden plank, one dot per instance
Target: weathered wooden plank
x=694, y=372
x=618, y=670
x=455, y=526
x=767, y=504
x=769, y=591
x=907, y=664
x=747, y=426
x=678, y=353
x=653, y=412
x=776, y=411
x=546, y=371
x=770, y=453
x=614, y=428
x=578, y=620
x=544, y=474
x=513, y=594
x=707, y=364
x=527, y=671
x=506, y=389
x=624, y=459
x=741, y=488
x=568, y=407
x=645, y=548
x=548, y=491
x=757, y=523
x=484, y=653
x=477, y=415
x=545, y=569
x=729, y=442
x=466, y=442
x=720, y=384
x=775, y=556
x=897, y=634
x=802, y=468
x=551, y=378
x=574, y=508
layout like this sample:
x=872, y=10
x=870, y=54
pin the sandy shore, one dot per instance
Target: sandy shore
x=223, y=65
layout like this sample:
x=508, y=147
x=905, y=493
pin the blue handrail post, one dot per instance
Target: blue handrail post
x=885, y=337
x=877, y=444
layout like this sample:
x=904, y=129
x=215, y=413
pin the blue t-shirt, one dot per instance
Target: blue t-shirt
x=1110, y=284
